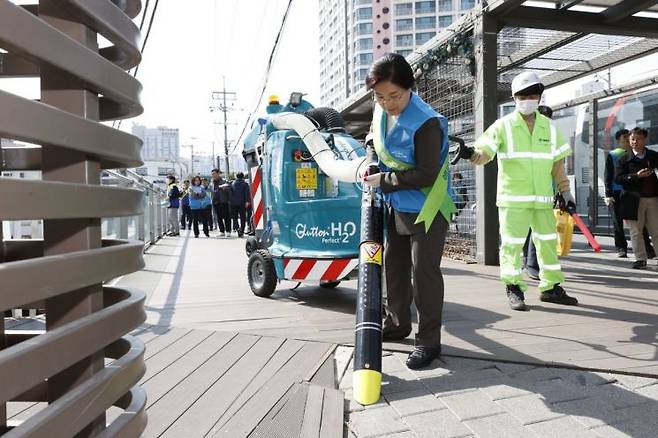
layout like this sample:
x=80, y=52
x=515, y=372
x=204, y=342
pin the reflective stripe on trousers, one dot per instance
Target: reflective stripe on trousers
x=514, y=224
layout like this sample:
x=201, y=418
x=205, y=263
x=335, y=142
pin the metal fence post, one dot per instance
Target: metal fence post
x=593, y=180
x=152, y=218
x=485, y=113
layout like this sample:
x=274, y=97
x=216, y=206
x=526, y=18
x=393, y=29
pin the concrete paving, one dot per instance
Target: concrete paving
x=458, y=397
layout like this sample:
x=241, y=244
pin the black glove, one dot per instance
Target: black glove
x=463, y=151
x=568, y=206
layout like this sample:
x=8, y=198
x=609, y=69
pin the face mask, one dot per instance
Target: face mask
x=527, y=107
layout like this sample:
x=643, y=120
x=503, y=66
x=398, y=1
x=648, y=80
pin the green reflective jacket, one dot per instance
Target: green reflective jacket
x=525, y=160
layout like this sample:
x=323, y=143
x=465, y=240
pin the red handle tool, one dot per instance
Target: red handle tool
x=588, y=235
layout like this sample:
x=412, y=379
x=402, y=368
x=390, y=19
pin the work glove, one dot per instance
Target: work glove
x=609, y=201
x=374, y=180
x=465, y=152
x=567, y=202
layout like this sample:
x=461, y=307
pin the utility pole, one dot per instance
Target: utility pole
x=224, y=98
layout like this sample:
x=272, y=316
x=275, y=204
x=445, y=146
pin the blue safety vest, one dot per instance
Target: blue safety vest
x=399, y=143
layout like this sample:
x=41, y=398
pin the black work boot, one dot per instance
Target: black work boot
x=516, y=297
x=557, y=295
x=422, y=356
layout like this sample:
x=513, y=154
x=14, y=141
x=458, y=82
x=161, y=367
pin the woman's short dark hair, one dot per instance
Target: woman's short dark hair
x=391, y=67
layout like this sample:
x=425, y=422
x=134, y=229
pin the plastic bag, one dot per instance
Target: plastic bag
x=565, y=224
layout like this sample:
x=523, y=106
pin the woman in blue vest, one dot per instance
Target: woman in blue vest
x=411, y=141
x=197, y=203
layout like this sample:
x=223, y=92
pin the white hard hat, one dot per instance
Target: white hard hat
x=525, y=80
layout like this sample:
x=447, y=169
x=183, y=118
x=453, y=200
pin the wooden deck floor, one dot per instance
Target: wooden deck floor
x=217, y=384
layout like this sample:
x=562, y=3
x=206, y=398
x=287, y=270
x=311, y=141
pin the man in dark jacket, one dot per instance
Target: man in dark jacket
x=613, y=193
x=172, y=208
x=240, y=200
x=221, y=192
x=636, y=172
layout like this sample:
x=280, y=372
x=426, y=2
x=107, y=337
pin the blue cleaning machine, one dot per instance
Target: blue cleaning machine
x=307, y=224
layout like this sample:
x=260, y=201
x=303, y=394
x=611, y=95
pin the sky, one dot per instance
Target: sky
x=192, y=48
x=194, y=44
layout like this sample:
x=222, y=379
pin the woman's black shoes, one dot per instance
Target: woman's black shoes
x=422, y=356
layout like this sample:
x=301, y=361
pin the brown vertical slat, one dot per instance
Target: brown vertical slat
x=61, y=236
x=332, y=414
x=313, y=412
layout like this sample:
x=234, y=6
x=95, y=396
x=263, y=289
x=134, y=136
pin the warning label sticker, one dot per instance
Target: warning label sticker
x=306, y=178
x=371, y=252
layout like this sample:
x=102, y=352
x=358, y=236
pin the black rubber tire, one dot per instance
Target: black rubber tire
x=261, y=273
x=250, y=245
x=330, y=284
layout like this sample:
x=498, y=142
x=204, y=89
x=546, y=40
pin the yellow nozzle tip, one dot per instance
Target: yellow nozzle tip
x=367, y=386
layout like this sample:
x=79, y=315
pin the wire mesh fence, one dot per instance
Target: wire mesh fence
x=449, y=89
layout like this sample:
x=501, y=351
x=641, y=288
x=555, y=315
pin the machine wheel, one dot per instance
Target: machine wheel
x=261, y=273
x=330, y=284
x=250, y=245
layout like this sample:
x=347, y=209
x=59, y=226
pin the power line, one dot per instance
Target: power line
x=267, y=74
x=148, y=32
x=146, y=38
x=146, y=8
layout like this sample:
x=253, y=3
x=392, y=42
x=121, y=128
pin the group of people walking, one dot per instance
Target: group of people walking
x=204, y=203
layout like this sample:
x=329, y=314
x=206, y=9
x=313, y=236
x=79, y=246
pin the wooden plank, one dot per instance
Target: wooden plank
x=223, y=390
x=333, y=408
x=161, y=342
x=285, y=418
x=313, y=412
x=164, y=412
x=326, y=375
x=289, y=348
x=158, y=385
x=174, y=352
x=305, y=361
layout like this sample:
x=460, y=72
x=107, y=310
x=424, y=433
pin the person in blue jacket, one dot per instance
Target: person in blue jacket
x=207, y=204
x=197, y=200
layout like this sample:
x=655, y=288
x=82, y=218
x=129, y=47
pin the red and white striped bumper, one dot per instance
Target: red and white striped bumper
x=257, y=198
x=318, y=269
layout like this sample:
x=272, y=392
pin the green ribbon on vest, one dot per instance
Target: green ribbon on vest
x=435, y=195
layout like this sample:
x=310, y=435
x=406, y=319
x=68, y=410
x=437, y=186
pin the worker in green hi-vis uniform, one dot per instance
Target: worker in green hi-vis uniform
x=531, y=152
x=411, y=141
